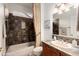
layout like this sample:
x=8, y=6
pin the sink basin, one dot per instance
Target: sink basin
x=75, y=46
x=61, y=44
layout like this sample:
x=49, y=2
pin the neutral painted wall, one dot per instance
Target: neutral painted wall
x=42, y=21
x=46, y=14
x=1, y=22
x=2, y=19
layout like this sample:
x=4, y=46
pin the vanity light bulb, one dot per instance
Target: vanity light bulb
x=55, y=10
x=60, y=12
x=58, y=4
x=75, y=5
x=62, y=7
x=67, y=9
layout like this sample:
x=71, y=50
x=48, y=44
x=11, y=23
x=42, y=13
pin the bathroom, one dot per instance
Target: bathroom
x=55, y=29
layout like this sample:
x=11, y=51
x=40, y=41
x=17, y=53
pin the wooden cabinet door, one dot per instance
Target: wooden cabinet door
x=49, y=51
x=63, y=54
x=52, y=51
x=44, y=53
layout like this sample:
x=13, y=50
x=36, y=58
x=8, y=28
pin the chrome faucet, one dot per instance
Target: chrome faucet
x=55, y=37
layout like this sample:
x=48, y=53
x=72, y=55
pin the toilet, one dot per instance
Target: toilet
x=37, y=51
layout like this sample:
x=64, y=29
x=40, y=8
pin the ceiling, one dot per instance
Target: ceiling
x=28, y=5
x=25, y=8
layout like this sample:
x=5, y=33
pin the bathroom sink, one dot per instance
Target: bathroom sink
x=61, y=44
x=75, y=46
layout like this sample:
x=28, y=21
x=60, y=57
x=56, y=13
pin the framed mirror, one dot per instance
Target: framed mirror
x=68, y=20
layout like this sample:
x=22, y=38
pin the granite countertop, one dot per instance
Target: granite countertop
x=69, y=51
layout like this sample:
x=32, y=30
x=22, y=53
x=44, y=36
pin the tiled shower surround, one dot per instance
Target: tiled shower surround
x=16, y=34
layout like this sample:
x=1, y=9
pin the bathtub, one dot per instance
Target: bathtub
x=24, y=49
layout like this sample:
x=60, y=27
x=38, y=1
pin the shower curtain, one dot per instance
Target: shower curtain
x=37, y=22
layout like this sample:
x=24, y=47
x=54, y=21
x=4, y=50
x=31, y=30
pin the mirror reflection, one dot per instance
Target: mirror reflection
x=65, y=19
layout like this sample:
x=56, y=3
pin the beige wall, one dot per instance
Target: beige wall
x=2, y=20
x=37, y=22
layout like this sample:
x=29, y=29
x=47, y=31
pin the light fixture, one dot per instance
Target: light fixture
x=75, y=5
x=55, y=10
x=60, y=12
x=67, y=9
x=63, y=7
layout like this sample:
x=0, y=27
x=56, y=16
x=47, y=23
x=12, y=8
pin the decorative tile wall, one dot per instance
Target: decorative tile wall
x=15, y=33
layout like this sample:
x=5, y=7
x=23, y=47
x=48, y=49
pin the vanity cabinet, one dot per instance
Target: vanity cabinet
x=51, y=51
